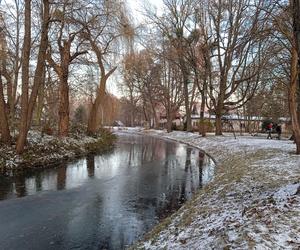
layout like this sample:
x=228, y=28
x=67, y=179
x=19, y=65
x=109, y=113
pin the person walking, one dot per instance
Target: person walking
x=269, y=129
x=278, y=130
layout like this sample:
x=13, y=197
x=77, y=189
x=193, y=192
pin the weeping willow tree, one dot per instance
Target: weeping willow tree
x=108, y=29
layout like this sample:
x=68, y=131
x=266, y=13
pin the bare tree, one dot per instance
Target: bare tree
x=295, y=72
x=103, y=26
x=28, y=102
x=238, y=53
x=4, y=125
x=170, y=87
x=5, y=132
x=66, y=32
x=128, y=88
x=25, y=78
x=296, y=23
x=176, y=25
x=11, y=63
x=283, y=20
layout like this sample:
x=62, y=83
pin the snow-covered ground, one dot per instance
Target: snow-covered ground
x=252, y=203
x=44, y=150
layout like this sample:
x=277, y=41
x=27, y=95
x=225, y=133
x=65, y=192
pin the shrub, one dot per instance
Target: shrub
x=205, y=126
x=80, y=115
x=105, y=140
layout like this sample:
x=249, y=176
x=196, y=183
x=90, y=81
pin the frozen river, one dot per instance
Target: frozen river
x=104, y=201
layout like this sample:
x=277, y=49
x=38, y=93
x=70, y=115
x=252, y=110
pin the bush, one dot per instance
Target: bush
x=205, y=126
x=80, y=115
x=105, y=141
x=77, y=129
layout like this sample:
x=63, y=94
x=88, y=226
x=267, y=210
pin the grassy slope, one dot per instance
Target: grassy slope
x=252, y=201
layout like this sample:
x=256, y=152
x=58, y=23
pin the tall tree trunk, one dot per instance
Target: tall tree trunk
x=295, y=74
x=220, y=106
x=202, y=107
x=5, y=132
x=170, y=117
x=187, y=108
x=132, y=109
x=92, y=121
x=218, y=122
x=39, y=75
x=219, y=113
x=4, y=125
x=293, y=88
x=3, y=65
x=25, y=79
x=64, y=110
x=28, y=104
x=40, y=104
x=296, y=24
x=186, y=96
x=10, y=101
x=15, y=98
x=16, y=67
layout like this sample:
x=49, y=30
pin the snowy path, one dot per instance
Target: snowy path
x=253, y=202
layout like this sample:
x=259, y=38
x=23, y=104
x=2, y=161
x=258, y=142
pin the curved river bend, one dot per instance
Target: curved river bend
x=100, y=202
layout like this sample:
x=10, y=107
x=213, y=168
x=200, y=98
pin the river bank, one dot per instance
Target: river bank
x=43, y=151
x=253, y=201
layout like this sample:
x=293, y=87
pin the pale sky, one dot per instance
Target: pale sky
x=137, y=6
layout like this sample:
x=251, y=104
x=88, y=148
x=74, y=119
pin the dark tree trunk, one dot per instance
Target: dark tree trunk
x=64, y=110
x=295, y=75
x=185, y=76
x=39, y=75
x=40, y=105
x=218, y=123
x=293, y=100
x=220, y=106
x=187, y=108
x=27, y=105
x=202, y=109
x=25, y=79
x=296, y=24
x=5, y=132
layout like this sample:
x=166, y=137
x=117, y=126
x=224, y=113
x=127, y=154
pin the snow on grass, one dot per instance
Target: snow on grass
x=253, y=201
x=42, y=150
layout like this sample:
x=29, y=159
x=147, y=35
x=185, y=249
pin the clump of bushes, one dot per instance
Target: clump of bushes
x=105, y=140
x=205, y=126
x=77, y=129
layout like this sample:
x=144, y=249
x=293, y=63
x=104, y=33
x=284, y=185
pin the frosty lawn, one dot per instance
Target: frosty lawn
x=253, y=201
x=47, y=151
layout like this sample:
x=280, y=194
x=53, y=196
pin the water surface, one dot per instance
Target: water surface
x=100, y=202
